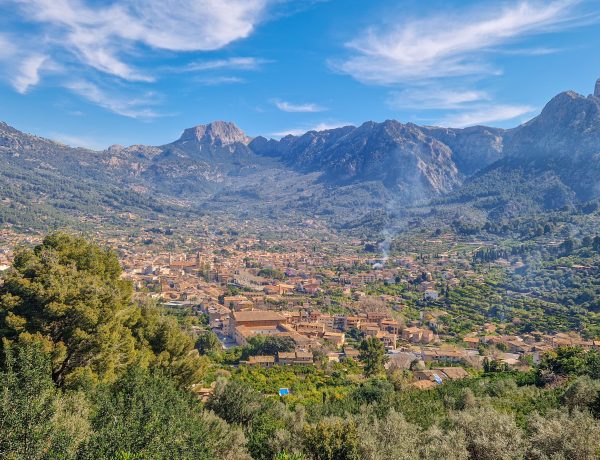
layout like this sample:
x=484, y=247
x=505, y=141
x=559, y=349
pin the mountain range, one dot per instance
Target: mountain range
x=338, y=174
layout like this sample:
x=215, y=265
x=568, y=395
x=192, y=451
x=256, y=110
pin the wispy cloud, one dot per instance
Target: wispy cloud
x=103, y=36
x=298, y=108
x=234, y=63
x=450, y=45
x=128, y=107
x=99, y=41
x=488, y=114
x=433, y=97
x=540, y=51
x=219, y=80
x=298, y=131
x=28, y=74
x=6, y=47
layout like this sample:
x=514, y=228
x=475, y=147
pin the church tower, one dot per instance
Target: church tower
x=597, y=90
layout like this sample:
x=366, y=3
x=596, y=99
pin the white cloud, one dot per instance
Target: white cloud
x=318, y=127
x=449, y=45
x=489, y=114
x=6, y=47
x=106, y=36
x=433, y=97
x=29, y=73
x=237, y=63
x=127, y=107
x=305, y=108
x=219, y=80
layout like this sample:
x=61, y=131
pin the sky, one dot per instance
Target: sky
x=93, y=73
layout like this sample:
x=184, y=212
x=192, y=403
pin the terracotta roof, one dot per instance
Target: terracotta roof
x=261, y=359
x=424, y=384
x=258, y=315
x=453, y=373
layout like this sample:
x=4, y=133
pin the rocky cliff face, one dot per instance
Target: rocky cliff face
x=549, y=162
x=217, y=133
x=569, y=126
x=473, y=148
x=403, y=157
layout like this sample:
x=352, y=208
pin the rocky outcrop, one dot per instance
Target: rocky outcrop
x=217, y=133
x=473, y=148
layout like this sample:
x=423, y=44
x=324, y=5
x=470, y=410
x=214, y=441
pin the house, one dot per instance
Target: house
x=234, y=300
x=377, y=316
x=261, y=361
x=418, y=335
x=336, y=338
x=244, y=324
x=388, y=340
x=311, y=329
x=256, y=318
x=423, y=385
x=352, y=322
x=471, y=342
x=441, y=374
x=390, y=325
x=453, y=373
x=350, y=353
x=449, y=356
x=429, y=374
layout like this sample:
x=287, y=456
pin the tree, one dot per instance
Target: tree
x=208, y=343
x=562, y=435
x=235, y=402
x=563, y=361
x=332, y=439
x=68, y=295
x=439, y=445
x=581, y=393
x=263, y=419
x=567, y=246
x=373, y=391
x=268, y=345
x=171, y=349
x=373, y=355
x=387, y=438
x=149, y=417
x=490, y=435
x=36, y=421
x=596, y=243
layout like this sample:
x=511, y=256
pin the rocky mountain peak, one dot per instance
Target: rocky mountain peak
x=220, y=133
x=597, y=89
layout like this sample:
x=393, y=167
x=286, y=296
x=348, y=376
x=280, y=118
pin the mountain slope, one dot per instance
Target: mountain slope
x=341, y=175
x=548, y=163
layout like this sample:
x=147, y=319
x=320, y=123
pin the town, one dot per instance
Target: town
x=325, y=296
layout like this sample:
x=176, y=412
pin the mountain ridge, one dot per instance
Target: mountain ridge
x=358, y=169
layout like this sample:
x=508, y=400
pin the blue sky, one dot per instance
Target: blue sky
x=93, y=73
